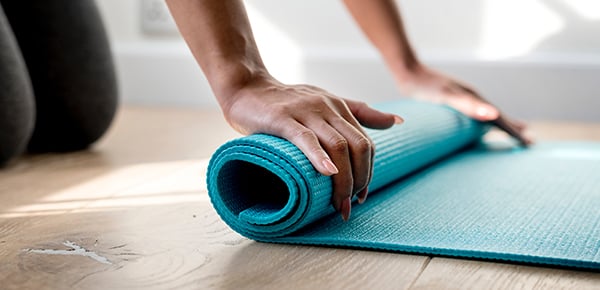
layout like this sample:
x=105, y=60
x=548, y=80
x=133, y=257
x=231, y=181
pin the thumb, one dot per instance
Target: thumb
x=372, y=118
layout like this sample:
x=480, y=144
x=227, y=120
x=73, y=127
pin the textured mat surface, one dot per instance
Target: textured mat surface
x=429, y=194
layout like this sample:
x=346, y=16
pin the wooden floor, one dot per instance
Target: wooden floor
x=133, y=213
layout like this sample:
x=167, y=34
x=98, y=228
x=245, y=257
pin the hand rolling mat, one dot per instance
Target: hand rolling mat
x=432, y=193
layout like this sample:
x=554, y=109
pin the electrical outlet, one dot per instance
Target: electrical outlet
x=156, y=18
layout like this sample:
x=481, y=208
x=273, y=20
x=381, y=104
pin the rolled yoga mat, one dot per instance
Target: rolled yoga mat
x=434, y=191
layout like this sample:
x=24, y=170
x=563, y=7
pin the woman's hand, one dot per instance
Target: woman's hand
x=382, y=23
x=326, y=128
x=427, y=84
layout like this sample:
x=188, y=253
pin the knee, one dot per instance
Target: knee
x=17, y=115
x=75, y=124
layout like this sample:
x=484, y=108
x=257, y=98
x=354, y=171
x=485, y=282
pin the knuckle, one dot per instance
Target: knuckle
x=303, y=134
x=339, y=103
x=363, y=145
x=339, y=145
x=318, y=102
x=314, y=102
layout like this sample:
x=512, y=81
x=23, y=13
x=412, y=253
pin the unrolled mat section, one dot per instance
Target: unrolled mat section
x=433, y=192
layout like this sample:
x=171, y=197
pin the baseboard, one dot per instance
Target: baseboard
x=161, y=73
x=560, y=87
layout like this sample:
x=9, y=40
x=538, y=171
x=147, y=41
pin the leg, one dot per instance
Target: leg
x=17, y=108
x=66, y=50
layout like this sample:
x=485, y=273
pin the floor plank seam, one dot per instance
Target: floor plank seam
x=421, y=270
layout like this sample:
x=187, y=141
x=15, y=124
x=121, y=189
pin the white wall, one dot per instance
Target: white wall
x=535, y=58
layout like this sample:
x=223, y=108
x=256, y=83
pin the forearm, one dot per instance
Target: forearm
x=219, y=35
x=381, y=22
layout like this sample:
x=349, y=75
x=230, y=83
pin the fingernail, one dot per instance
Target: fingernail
x=330, y=166
x=398, y=120
x=362, y=196
x=345, y=210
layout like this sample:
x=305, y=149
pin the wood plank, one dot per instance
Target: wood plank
x=446, y=273
x=556, y=130
x=180, y=246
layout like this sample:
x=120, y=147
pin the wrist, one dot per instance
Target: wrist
x=409, y=77
x=232, y=78
x=241, y=84
x=407, y=71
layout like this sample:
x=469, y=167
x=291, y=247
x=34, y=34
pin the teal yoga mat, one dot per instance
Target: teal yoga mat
x=435, y=191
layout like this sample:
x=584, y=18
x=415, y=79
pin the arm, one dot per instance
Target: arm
x=326, y=128
x=380, y=20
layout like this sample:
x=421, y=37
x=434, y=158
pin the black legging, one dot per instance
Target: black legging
x=58, y=89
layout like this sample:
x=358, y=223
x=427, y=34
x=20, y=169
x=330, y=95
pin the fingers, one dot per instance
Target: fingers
x=340, y=151
x=473, y=107
x=360, y=148
x=337, y=146
x=362, y=195
x=306, y=140
x=470, y=103
x=520, y=126
x=482, y=111
x=351, y=151
x=514, y=129
x=372, y=118
x=350, y=110
x=476, y=108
